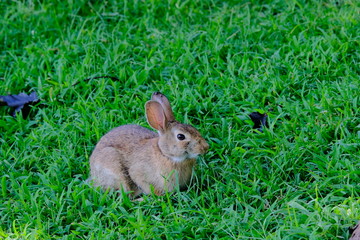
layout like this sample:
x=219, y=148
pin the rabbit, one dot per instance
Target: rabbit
x=136, y=159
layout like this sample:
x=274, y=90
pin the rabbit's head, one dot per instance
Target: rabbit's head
x=176, y=140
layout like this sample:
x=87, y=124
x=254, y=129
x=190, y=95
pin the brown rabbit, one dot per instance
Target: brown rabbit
x=134, y=158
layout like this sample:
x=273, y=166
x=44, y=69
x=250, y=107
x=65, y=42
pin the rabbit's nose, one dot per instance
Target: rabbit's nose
x=205, y=147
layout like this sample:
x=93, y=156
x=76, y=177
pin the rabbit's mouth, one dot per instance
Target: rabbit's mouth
x=192, y=155
x=185, y=156
x=178, y=159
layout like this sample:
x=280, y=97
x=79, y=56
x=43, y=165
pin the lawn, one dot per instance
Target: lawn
x=216, y=61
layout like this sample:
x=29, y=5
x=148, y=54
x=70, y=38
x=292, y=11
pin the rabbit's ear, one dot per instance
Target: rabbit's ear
x=155, y=115
x=159, y=97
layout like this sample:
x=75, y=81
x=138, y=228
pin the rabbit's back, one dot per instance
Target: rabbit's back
x=126, y=137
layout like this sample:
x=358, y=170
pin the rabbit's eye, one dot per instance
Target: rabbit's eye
x=180, y=136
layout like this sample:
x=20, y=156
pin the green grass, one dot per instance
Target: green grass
x=217, y=61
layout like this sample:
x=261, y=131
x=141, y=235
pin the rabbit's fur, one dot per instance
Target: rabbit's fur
x=135, y=158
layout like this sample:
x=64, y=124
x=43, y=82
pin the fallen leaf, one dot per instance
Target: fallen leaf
x=20, y=102
x=259, y=120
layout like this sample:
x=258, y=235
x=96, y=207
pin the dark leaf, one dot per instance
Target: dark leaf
x=20, y=102
x=259, y=120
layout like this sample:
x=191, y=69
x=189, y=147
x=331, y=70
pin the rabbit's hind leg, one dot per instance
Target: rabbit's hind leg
x=108, y=171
